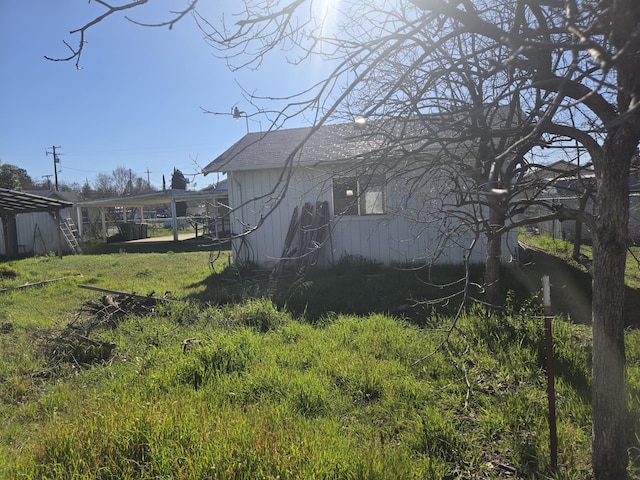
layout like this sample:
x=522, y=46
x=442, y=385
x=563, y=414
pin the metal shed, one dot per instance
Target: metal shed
x=14, y=203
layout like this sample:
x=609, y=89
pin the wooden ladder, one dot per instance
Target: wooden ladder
x=70, y=233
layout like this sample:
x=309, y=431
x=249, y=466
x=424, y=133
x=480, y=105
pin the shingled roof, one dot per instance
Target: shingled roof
x=329, y=143
x=348, y=141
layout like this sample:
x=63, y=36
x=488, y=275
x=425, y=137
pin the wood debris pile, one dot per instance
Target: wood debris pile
x=71, y=346
x=75, y=345
x=111, y=309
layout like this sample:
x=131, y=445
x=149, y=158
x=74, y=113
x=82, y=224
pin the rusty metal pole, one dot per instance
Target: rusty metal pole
x=551, y=391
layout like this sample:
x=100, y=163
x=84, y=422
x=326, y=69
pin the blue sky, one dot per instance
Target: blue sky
x=136, y=102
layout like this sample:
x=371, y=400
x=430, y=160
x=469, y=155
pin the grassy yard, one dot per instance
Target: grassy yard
x=255, y=380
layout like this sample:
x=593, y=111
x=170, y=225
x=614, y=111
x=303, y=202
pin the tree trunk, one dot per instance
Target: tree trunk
x=577, y=234
x=494, y=256
x=609, y=443
x=577, y=237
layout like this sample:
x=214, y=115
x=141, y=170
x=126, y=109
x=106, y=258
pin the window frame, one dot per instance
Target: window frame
x=357, y=200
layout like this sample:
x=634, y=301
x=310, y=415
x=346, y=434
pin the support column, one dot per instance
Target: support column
x=5, y=234
x=174, y=218
x=79, y=221
x=56, y=215
x=103, y=219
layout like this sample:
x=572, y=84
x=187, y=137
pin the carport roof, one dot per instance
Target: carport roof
x=13, y=202
x=153, y=198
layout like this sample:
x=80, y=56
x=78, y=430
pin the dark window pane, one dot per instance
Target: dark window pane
x=345, y=196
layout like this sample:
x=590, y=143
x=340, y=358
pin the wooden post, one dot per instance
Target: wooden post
x=103, y=220
x=5, y=235
x=56, y=215
x=174, y=218
x=551, y=393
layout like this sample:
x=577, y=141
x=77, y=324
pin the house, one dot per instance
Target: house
x=567, y=184
x=312, y=196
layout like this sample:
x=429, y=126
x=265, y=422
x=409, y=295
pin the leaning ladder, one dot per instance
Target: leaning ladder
x=70, y=233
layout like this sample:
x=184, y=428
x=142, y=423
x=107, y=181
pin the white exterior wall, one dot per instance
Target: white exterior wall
x=37, y=233
x=410, y=231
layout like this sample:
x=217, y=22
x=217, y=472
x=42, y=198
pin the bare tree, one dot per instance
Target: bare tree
x=504, y=76
x=103, y=185
x=122, y=181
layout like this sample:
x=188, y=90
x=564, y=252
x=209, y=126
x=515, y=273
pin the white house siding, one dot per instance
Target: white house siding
x=394, y=237
x=37, y=233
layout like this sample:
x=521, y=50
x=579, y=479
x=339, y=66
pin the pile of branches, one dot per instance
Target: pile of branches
x=111, y=308
x=74, y=344
x=71, y=346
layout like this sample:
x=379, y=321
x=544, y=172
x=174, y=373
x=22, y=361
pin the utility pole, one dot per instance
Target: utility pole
x=48, y=177
x=148, y=179
x=56, y=161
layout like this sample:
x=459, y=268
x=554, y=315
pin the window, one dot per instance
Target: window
x=364, y=195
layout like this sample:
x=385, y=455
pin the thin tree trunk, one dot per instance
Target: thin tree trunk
x=492, y=273
x=577, y=236
x=494, y=257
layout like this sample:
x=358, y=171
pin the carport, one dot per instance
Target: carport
x=13, y=203
x=170, y=197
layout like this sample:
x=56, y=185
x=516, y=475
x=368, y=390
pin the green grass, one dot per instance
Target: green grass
x=352, y=286
x=207, y=387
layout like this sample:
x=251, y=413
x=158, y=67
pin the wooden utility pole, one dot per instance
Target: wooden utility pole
x=56, y=161
x=48, y=177
x=148, y=179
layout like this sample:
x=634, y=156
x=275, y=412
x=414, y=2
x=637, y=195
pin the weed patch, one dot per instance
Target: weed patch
x=7, y=271
x=202, y=388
